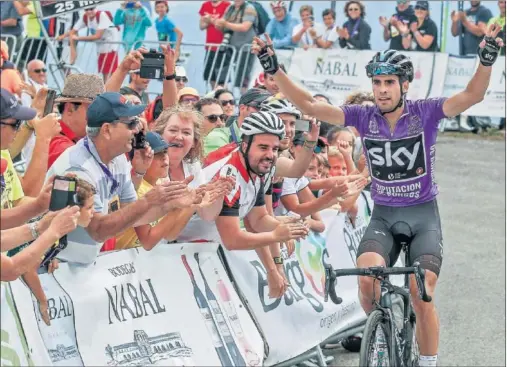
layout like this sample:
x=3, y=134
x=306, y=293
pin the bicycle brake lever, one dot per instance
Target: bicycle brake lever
x=420, y=279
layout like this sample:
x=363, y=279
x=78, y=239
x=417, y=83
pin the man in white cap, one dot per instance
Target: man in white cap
x=181, y=77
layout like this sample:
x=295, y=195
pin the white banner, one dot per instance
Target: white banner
x=301, y=319
x=14, y=349
x=171, y=306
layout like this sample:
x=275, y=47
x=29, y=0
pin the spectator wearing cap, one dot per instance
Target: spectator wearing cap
x=472, y=23
x=188, y=96
x=306, y=33
x=280, y=27
x=212, y=10
x=355, y=33
x=181, y=77
x=404, y=16
x=166, y=29
x=100, y=158
x=214, y=116
x=79, y=91
x=248, y=103
x=137, y=86
x=423, y=34
x=12, y=114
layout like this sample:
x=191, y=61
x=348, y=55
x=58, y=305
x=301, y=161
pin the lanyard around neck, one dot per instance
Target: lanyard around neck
x=104, y=168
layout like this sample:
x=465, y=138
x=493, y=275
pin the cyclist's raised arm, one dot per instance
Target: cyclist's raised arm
x=476, y=89
x=301, y=98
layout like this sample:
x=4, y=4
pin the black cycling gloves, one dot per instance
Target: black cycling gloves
x=490, y=52
x=269, y=63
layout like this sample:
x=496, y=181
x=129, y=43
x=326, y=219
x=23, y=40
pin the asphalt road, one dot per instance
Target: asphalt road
x=470, y=295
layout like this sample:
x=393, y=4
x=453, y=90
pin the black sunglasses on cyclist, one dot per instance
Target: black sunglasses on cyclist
x=225, y=103
x=181, y=79
x=15, y=125
x=38, y=71
x=214, y=118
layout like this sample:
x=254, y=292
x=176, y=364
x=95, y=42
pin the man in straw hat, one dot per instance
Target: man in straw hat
x=79, y=91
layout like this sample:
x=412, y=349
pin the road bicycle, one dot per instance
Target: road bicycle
x=384, y=344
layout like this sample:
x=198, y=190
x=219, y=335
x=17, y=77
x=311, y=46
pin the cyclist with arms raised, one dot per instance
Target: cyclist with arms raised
x=399, y=138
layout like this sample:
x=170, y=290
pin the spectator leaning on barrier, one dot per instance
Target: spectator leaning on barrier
x=248, y=103
x=137, y=86
x=135, y=20
x=214, y=116
x=166, y=29
x=238, y=26
x=305, y=33
x=404, y=15
x=11, y=24
x=330, y=36
x=280, y=27
x=473, y=24
x=181, y=77
x=100, y=158
x=500, y=20
x=212, y=10
x=355, y=33
x=100, y=29
x=423, y=35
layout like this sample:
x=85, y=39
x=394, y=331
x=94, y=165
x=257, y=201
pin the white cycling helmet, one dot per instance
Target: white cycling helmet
x=278, y=4
x=263, y=123
x=279, y=106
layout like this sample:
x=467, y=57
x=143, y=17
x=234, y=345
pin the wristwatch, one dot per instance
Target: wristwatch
x=278, y=260
x=34, y=228
x=170, y=77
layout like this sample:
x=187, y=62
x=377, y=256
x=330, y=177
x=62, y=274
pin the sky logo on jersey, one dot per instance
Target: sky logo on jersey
x=397, y=160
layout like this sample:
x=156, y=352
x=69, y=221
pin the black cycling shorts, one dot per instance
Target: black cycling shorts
x=418, y=225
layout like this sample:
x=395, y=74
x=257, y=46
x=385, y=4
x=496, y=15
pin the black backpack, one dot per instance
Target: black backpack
x=262, y=18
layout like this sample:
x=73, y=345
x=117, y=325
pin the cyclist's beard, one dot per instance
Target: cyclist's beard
x=263, y=166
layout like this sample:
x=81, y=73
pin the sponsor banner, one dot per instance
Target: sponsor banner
x=51, y=8
x=338, y=73
x=14, y=349
x=459, y=72
x=171, y=306
x=301, y=319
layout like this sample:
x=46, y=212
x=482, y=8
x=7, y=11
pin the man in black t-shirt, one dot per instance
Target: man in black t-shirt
x=404, y=15
x=472, y=23
x=423, y=34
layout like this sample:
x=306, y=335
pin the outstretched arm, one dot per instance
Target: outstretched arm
x=489, y=50
x=297, y=95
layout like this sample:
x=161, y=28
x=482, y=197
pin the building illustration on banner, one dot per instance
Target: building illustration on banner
x=146, y=350
x=62, y=353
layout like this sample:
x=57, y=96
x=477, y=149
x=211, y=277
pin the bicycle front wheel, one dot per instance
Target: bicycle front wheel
x=378, y=345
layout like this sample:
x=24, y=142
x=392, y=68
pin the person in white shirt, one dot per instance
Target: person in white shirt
x=306, y=33
x=100, y=28
x=330, y=36
x=36, y=80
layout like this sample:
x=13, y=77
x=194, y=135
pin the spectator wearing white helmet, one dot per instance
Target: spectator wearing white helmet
x=280, y=27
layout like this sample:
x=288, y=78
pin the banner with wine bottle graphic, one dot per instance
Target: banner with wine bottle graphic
x=172, y=306
x=301, y=320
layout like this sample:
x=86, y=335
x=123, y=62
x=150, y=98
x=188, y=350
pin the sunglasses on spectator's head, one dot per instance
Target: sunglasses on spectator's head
x=214, y=118
x=14, y=125
x=38, y=71
x=226, y=102
x=418, y=7
x=181, y=79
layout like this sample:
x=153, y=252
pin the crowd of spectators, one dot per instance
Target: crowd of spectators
x=163, y=192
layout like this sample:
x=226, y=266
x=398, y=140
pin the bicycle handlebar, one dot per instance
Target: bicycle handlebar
x=376, y=272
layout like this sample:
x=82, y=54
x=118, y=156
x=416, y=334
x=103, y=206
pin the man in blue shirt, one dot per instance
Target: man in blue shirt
x=280, y=27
